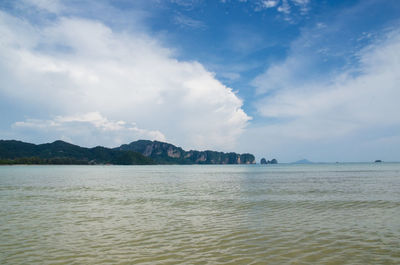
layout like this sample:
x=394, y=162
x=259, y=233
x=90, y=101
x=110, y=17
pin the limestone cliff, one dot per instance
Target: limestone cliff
x=165, y=153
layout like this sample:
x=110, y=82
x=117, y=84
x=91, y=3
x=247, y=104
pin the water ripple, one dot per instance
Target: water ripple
x=200, y=215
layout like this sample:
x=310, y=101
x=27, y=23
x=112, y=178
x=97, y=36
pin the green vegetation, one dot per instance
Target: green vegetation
x=263, y=161
x=142, y=152
x=165, y=153
x=62, y=153
x=43, y=161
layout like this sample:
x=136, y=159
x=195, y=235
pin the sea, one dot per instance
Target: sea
x=201, y=214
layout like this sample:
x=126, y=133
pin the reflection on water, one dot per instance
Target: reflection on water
x=295, y=214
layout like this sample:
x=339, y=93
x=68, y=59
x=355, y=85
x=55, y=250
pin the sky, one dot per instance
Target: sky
x=284, y=79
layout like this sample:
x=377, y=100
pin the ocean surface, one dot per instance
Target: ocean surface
x=241, y=214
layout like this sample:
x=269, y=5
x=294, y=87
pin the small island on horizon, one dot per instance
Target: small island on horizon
x=303, y=161
x=141, y=152
x=263, y=161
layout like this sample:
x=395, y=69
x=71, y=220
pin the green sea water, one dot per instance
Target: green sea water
x=283, y=214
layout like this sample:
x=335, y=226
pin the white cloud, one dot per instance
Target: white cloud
x=301, y=2
x=342, y=111
x=367, y=97
x=81, y=128
x=188, y=22
x=284, y=7
x=270, y=3
x=82, y=66
x=291, y=10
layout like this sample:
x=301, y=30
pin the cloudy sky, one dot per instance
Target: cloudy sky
x=285, y=79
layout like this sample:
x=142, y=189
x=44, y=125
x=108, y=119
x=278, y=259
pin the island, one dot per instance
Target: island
x=263, y=161
x=141, y=152
x=303, y=161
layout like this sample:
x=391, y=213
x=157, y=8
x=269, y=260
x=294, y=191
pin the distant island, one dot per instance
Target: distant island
x=141, y=152
x=303, y=161
x=263, y=161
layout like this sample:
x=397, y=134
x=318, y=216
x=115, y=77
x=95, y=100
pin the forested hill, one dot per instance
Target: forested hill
x=142, y=152
x=165, y=153
x=60, y=152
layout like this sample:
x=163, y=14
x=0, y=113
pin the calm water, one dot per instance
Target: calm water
x=284, y=214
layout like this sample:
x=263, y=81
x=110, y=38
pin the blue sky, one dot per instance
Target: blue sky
x=285, y=79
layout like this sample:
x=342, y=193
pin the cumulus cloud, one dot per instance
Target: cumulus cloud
x=81, y=128
x=75, y=65
x=357, y=107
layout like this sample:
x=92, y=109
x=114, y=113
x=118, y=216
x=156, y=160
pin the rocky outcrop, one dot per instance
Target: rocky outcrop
x=165, y=153
x=263, y=161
